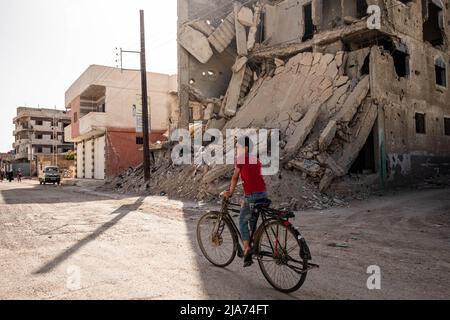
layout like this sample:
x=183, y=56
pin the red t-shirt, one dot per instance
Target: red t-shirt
x=251, y=174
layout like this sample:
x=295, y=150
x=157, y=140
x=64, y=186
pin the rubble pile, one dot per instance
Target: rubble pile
x=319, y=101
x=287, y=189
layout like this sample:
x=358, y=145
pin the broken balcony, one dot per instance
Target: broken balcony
x=91, y=125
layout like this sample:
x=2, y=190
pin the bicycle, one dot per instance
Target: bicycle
x=276, y=243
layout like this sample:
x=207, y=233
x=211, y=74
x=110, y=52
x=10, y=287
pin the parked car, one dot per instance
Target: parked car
x=50, y=175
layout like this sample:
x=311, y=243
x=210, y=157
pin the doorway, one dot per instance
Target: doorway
x=365, y=163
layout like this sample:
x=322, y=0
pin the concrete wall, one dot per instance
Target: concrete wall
x=99, y=157
x=410, y=153
x=89, y=159
x=284, y=22
x=80, y=160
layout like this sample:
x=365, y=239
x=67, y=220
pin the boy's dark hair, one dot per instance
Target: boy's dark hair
x=246, y=142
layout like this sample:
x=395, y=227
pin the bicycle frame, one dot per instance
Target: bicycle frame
x=261, y=212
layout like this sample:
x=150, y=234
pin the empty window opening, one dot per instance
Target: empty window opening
x=260, y=34
x=140, y=140
x=441, y=72
x=401, y=62
x=400, y=54
x=434, y=22
x=447, y=126
x=365, y=69
x=420, y=123
x=307, y=18
x=361, y=8
x=39, y=122
x=365, y=163
x=39, y=150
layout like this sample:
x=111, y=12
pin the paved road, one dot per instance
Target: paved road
x=145, y=248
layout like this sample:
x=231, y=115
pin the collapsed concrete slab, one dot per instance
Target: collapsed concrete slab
x=245, y=16
x=240, y=63
x=309, y=167
x=241, y=33
x=354, y=100
x=327, y=135
x=359, y=134
x=298, y=138
x=202, y=26
x=195, y=43
x=234, y=92
x=254, y=28
x=224, y=34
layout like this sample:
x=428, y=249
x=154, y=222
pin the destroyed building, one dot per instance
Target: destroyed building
x=349, y=96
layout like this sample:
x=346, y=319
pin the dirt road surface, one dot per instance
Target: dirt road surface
x=72, y=243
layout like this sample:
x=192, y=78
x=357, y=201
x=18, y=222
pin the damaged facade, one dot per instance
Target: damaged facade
x=347, y=98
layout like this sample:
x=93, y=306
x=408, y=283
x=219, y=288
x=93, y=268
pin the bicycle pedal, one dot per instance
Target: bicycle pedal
x=313, y=266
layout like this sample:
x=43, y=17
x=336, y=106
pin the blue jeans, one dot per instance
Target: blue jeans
x=247, y=218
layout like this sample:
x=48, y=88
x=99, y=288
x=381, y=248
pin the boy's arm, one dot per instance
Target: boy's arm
x=234, y=182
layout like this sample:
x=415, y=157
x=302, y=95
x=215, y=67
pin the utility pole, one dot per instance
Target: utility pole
x=145, y=123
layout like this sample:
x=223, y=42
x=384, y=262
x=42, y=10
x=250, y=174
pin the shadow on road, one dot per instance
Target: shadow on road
x=37, y=194
x=121, y=213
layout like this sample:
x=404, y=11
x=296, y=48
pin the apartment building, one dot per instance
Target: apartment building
x=355, y=87
x=39, y=132
x=5, y=161
x=105, y=105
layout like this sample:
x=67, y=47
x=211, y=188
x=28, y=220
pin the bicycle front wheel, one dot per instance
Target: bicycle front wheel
x=216, y=239
x=279, y=257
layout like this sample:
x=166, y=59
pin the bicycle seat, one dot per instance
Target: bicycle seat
x=263, y=203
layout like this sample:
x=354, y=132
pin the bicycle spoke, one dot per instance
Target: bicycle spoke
x=275, y=257
x=216, y=240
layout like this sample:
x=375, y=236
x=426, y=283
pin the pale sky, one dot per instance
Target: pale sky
x=46, y=44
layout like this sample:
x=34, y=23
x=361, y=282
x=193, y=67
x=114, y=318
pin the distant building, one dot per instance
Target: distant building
x=5, y=161
x=39, y=132
x=105, y=105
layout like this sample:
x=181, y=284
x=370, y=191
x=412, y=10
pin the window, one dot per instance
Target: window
x=401, y=60
x=39, y=136
x=140, y=140
x=39, y=122
x=441, y=73
x=447, y=126
x=361, y=8
x=309, y=26
x=433, y=26
x=75, y=117
x=39, y=149
x=420, y=123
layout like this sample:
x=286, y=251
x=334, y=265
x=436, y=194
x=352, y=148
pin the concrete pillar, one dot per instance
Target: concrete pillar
x=183, y=69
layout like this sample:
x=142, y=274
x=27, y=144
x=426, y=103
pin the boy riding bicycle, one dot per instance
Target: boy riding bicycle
x=248, y=167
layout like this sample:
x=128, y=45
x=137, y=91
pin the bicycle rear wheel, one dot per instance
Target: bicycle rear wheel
x=216, y=239
x=279, y=257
